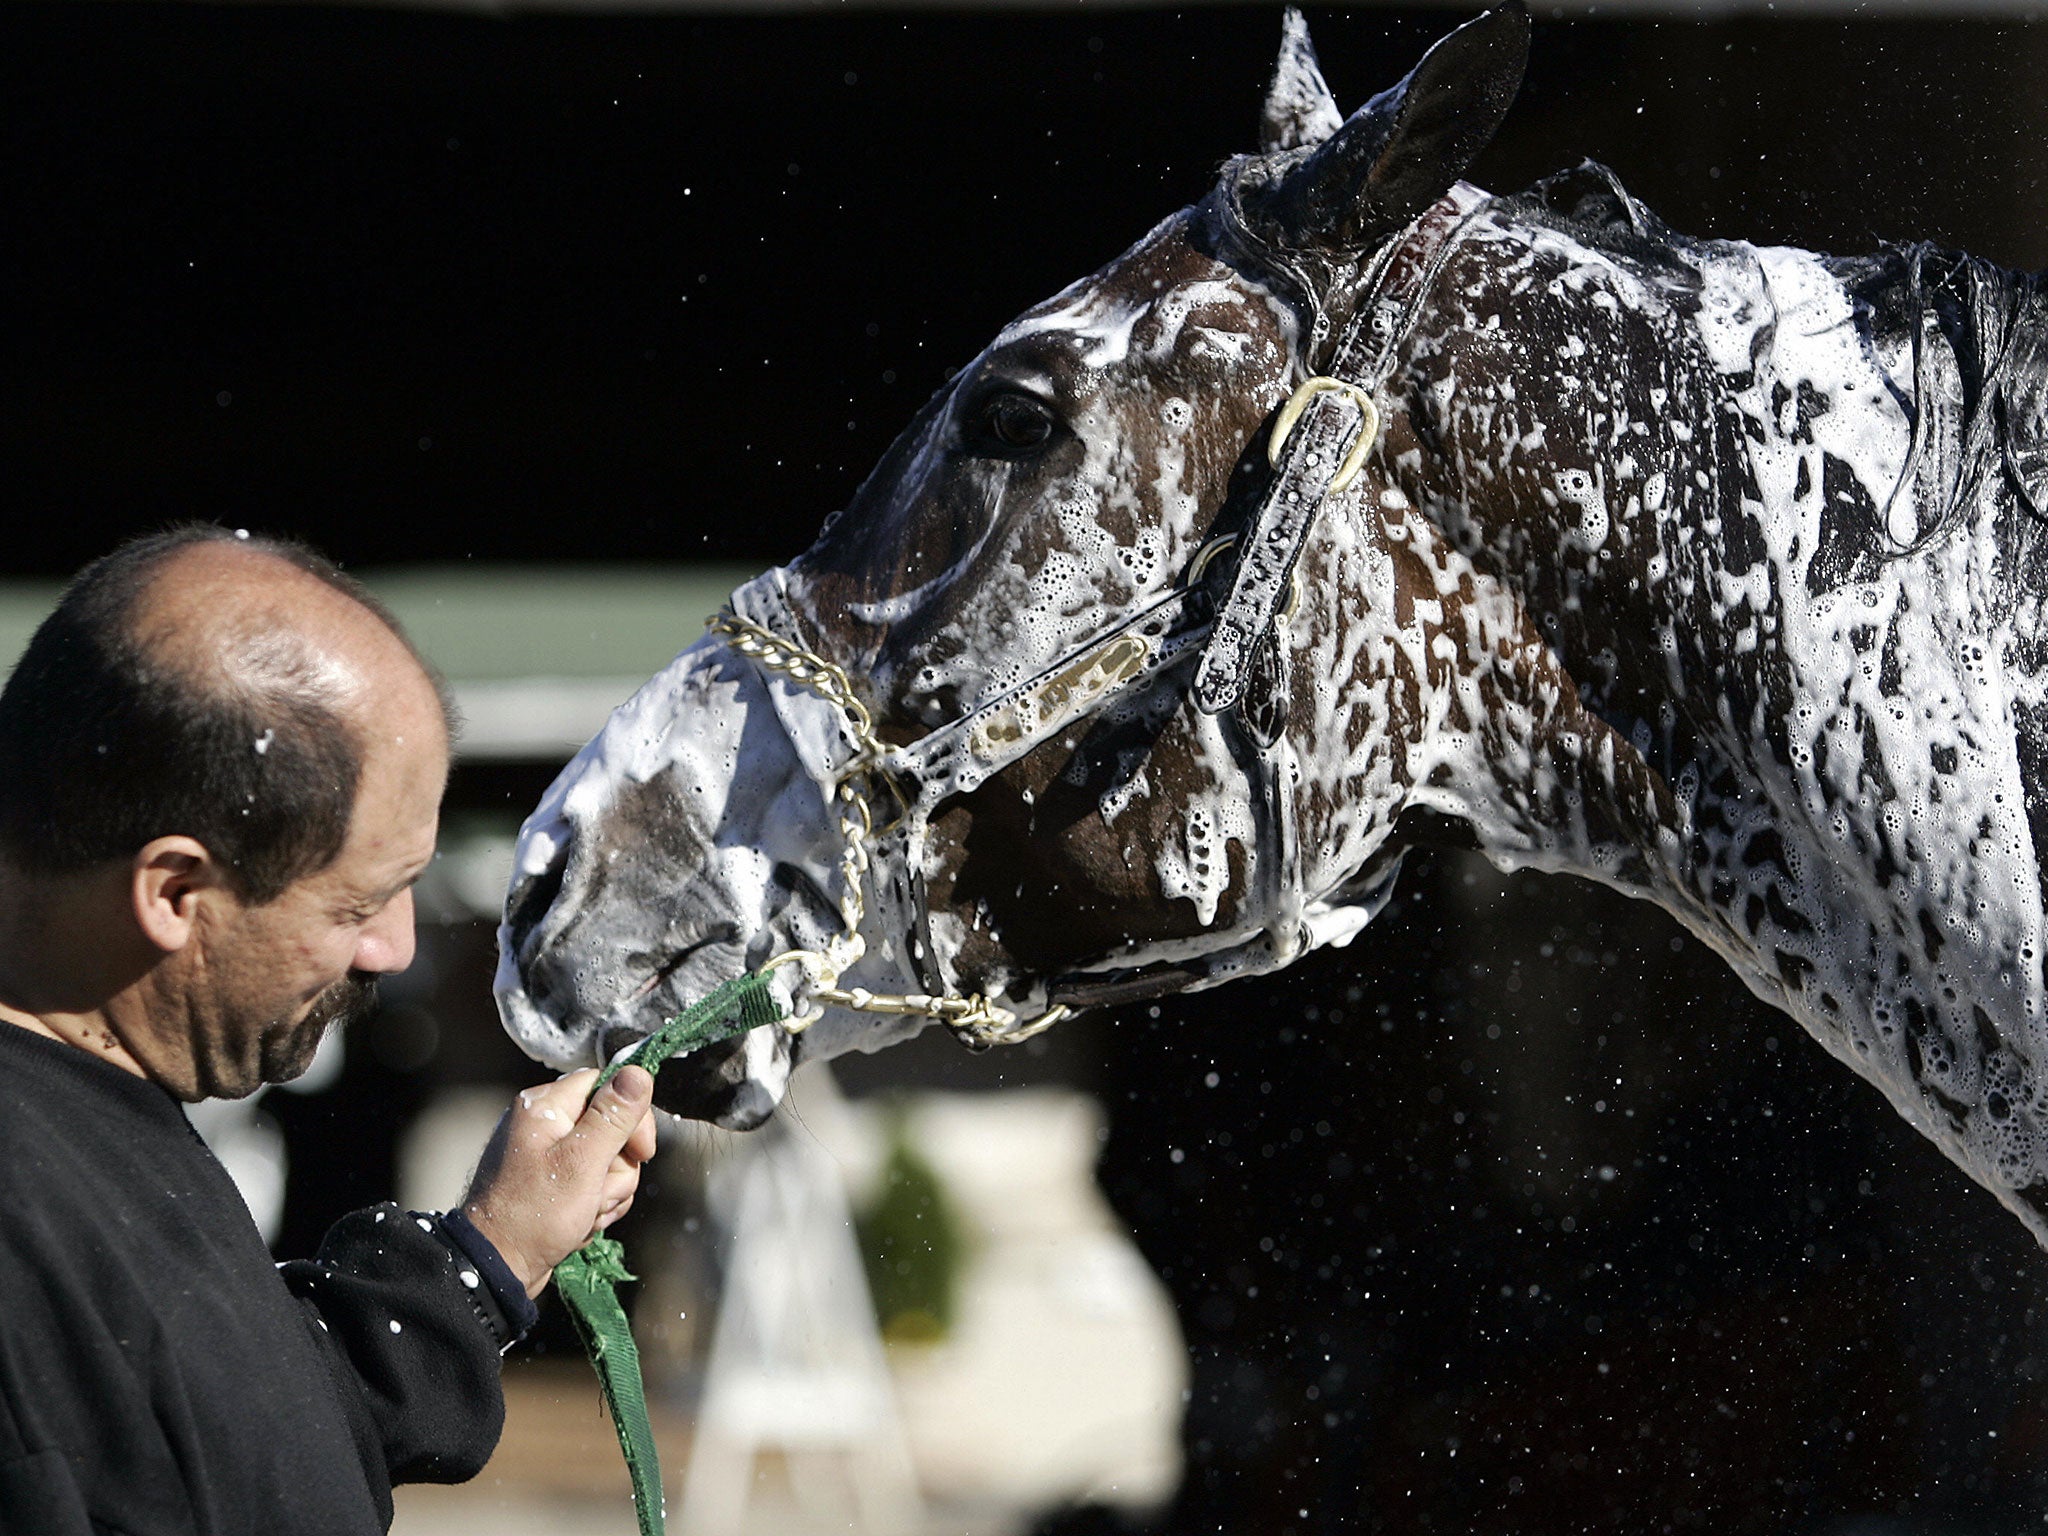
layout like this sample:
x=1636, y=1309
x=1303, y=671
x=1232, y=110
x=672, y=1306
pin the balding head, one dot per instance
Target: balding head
x=238, y=619
x=207, y=684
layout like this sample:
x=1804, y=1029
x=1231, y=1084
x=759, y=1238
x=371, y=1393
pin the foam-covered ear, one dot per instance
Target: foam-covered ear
x=1406, y=147
x=1300, y=111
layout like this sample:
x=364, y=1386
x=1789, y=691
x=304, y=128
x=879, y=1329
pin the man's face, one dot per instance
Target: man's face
x=269, y=981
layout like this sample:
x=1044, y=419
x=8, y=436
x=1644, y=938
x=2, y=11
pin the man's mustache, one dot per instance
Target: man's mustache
x=349, y=999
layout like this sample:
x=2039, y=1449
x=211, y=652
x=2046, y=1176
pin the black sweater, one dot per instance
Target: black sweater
x=159, y=1374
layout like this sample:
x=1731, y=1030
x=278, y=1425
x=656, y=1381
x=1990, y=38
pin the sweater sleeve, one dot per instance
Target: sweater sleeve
x=412, y=1335
x=39, y=1496
x=39, y=1492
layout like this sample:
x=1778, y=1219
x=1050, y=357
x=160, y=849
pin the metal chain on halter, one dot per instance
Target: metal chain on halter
x=976, y=1018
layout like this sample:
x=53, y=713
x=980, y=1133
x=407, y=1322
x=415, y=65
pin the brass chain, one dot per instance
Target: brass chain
x=976, y=1018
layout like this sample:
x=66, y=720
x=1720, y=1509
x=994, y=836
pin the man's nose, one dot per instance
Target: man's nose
x=386, y=942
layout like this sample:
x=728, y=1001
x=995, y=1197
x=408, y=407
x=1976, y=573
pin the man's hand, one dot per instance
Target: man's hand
x=556, y=1171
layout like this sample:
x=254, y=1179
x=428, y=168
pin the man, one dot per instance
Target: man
x=221, y=766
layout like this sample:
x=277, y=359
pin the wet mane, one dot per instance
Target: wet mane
x=1589, y=204
x=1942, y=309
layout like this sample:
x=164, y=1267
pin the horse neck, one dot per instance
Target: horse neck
x=1555, y=423
x=1727, y=456
x=1582, y=420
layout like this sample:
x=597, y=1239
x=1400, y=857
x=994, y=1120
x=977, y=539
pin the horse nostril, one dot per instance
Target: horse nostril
x=531, y=898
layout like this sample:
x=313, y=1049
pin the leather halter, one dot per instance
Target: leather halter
x=1321, y=437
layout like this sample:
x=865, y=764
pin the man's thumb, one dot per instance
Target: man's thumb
x=617, y=1107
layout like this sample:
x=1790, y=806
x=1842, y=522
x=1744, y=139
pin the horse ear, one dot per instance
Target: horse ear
x=1406, y=147
x=1300, y=111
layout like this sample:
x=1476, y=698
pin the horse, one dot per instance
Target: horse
x=1352, y=509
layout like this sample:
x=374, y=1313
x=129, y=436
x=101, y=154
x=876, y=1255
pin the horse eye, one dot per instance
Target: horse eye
x=1010, y=423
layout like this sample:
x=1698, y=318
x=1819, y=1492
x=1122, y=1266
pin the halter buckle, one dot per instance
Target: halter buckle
x=1368, y=425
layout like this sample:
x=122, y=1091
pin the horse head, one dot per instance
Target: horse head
x=1015, y=599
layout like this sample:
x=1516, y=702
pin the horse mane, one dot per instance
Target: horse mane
x=1588, y=204
x=1237, y=234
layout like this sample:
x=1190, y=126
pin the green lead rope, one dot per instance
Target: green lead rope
x=585, y=1280
x=588, y=1277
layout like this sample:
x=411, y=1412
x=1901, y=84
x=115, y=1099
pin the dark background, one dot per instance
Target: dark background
x=1519, y=1216
x=428, y=287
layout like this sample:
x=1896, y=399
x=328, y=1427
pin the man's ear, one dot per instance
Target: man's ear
x=170, y=880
